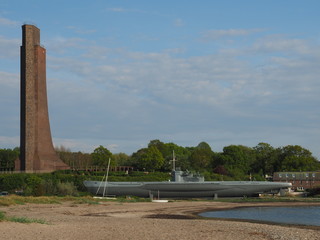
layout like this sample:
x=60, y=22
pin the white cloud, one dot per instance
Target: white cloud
x=8, y=22
x=9, y=47
x=116, y=97
x=278, y=44
x=133, y=10
x=215, y=34
x=178, y=22
x=118, y=9
x=71, y=65
x=62, y=45
x=219, y=80
x=124, y=10
x=81, y=30
x=9, y=79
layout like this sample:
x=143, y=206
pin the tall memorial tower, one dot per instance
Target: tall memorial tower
x=37, y=153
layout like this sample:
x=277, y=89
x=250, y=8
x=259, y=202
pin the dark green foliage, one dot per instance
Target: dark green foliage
x=152, y=159
x=134, y=176
x=221, y=170
x=204, y=145
x=34, y=185
x=162, y=147
x=7, y=158
x=10, y=182
x=121, y=159
x=314, y=192
x=42, y=184
x=266, y=159
x=67, y=188
x=148, y=159
x=296, y=158
x=238, y=158
x=101, y=156
x=201, y=158
x=67, y=184
x=209, y=176
x=235, y=162
x=167, y=149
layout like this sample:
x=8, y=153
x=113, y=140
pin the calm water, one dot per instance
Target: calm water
x=290, y=215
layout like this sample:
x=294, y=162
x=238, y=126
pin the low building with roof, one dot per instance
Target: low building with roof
x=300, y=180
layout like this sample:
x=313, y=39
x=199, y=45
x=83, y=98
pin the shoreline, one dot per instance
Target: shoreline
x=274, y=204
x=145, y=220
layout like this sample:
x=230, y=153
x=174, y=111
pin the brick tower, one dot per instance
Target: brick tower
x=37, y=153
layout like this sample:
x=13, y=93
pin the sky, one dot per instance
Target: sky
x=121, y=72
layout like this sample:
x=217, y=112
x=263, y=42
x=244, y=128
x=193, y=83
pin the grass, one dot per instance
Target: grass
x=3, y=217
x=13, y=200
x=20, y=200
x=132, y=199
x=26, y=220
x=86, y=201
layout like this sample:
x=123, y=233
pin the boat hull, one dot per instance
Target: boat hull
x=184, y=189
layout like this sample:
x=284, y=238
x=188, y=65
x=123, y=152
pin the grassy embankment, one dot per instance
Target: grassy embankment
x=14, y=199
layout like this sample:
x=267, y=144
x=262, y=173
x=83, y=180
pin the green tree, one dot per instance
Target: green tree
x=135, y=158
x=100, y=157
x=151, y=159
x=34, y=186
x=237, y=159
x=201, y=157
x=204, y=145
x=181, y=154
x=161, y=146
x=7, y=158
x=297, y=158
x=266, y=159
x=121, y=159
x=76, y=160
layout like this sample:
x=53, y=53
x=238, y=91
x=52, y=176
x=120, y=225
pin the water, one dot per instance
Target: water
x=288, y=215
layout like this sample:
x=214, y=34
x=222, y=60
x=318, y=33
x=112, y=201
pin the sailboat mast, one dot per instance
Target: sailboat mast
x=105, y=184
x=173, y=161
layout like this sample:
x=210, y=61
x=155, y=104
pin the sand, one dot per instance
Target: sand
x=114, y=220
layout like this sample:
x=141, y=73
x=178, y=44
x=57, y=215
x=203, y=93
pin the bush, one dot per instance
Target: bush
x=42, y=184
x=10, y=182
x=314, y=192
x=67, y=188
x=34, y=186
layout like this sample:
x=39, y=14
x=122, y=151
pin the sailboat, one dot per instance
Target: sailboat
x=158, y=200
x=105, y=177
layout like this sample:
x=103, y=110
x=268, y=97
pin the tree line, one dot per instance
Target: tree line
x=7, y=158
x=236, y=162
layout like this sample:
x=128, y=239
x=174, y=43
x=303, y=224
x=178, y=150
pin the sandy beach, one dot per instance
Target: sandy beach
x=143, y=220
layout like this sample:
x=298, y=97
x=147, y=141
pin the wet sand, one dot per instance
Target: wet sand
x=115, y=220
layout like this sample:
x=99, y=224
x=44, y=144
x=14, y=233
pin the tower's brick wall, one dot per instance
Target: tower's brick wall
x=37, y=151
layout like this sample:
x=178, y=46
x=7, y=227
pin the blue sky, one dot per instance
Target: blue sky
x=121, y=73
